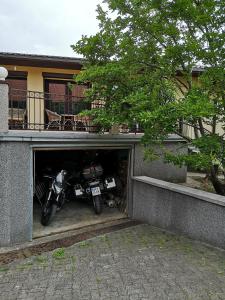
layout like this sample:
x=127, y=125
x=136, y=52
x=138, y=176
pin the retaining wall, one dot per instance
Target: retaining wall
x=158, y=168
x=179, y=209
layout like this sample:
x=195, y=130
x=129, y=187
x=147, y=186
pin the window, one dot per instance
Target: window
x=17, y=89
x=63, y=99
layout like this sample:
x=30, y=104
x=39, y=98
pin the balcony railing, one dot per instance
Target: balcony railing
x=30, y=110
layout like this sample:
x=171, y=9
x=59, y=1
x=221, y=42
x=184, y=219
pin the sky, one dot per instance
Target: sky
x=45, y=27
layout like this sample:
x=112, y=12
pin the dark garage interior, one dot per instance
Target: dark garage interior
x=79, y=212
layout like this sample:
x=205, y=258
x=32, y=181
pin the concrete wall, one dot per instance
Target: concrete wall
x=195, y=213
x=16, y=198
x=15, y=193
x=158, y=169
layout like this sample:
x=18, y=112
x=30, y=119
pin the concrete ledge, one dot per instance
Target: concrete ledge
x=202, y=195
x=47, y=135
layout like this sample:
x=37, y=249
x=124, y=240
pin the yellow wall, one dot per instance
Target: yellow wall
x=35, y=81
x=188, y=131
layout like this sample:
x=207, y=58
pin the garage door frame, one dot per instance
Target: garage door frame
x=72, y=147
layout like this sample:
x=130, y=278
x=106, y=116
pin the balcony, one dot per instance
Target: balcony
x=30, y=110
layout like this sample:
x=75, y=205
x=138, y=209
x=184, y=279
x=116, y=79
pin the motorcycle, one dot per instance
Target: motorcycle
x=55, y=196
x=93, y=186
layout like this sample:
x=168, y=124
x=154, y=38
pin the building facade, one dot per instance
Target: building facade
x=40, y=113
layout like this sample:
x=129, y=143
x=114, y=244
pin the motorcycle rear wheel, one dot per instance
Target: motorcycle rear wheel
x=97, y=201
x=47, y=214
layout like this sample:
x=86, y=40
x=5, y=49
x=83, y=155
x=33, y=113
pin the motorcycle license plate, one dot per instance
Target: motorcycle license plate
x=95, y=191
x=78, y=192
x=111, y=184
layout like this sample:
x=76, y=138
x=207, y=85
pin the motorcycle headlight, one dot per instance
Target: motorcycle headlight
x=57, y=188
x=58, y=183
x=59, y=179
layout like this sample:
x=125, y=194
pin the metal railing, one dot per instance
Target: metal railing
x=30, y=110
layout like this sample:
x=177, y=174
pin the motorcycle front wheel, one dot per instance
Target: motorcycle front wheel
x=47, y=213
x=97, y=201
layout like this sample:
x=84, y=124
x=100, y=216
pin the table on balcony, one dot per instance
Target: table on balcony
x=75, y=122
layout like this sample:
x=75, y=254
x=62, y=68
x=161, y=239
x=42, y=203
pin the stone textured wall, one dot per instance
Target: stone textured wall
x=16, y=199
x=158, y=169
x=198, y=214
x=15, y=193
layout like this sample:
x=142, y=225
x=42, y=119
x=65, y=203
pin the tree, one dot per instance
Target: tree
x=142, y=64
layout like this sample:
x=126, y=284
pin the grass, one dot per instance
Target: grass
x=4, y=269
x=40, y=259
x=73, y=263
x=128, y=239
x=144, y=241
x=84, y=244
x=59, y=253
x=104, y=238
x=25, y=266
x=98, y=280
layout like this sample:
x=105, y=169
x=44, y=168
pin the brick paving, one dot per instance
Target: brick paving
x=140, y=262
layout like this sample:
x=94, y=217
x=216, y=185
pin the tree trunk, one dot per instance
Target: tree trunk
x=217, y=184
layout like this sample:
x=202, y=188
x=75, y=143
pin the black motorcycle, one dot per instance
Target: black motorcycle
x=55, y=196
x=93, y=186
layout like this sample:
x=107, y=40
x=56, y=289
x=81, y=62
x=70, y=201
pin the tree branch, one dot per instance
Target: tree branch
x=196, y=127
x=201, y=127
x=183, y=136
x=214, y=124
x=182, y=83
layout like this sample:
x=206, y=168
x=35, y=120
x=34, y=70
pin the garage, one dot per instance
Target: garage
x=107, y=168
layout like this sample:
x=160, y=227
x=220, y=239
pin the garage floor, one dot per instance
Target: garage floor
x=73, y=215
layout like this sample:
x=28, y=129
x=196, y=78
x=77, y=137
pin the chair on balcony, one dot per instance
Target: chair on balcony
x=81, y=123
x=123, y=128
x=16, y=118
x=54, y=120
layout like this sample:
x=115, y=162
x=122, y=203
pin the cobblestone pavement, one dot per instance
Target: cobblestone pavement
x=140, y=262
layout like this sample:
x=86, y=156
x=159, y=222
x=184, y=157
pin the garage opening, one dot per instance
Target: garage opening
x=90, y=175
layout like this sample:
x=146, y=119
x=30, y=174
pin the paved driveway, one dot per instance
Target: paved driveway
x=139, y=262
